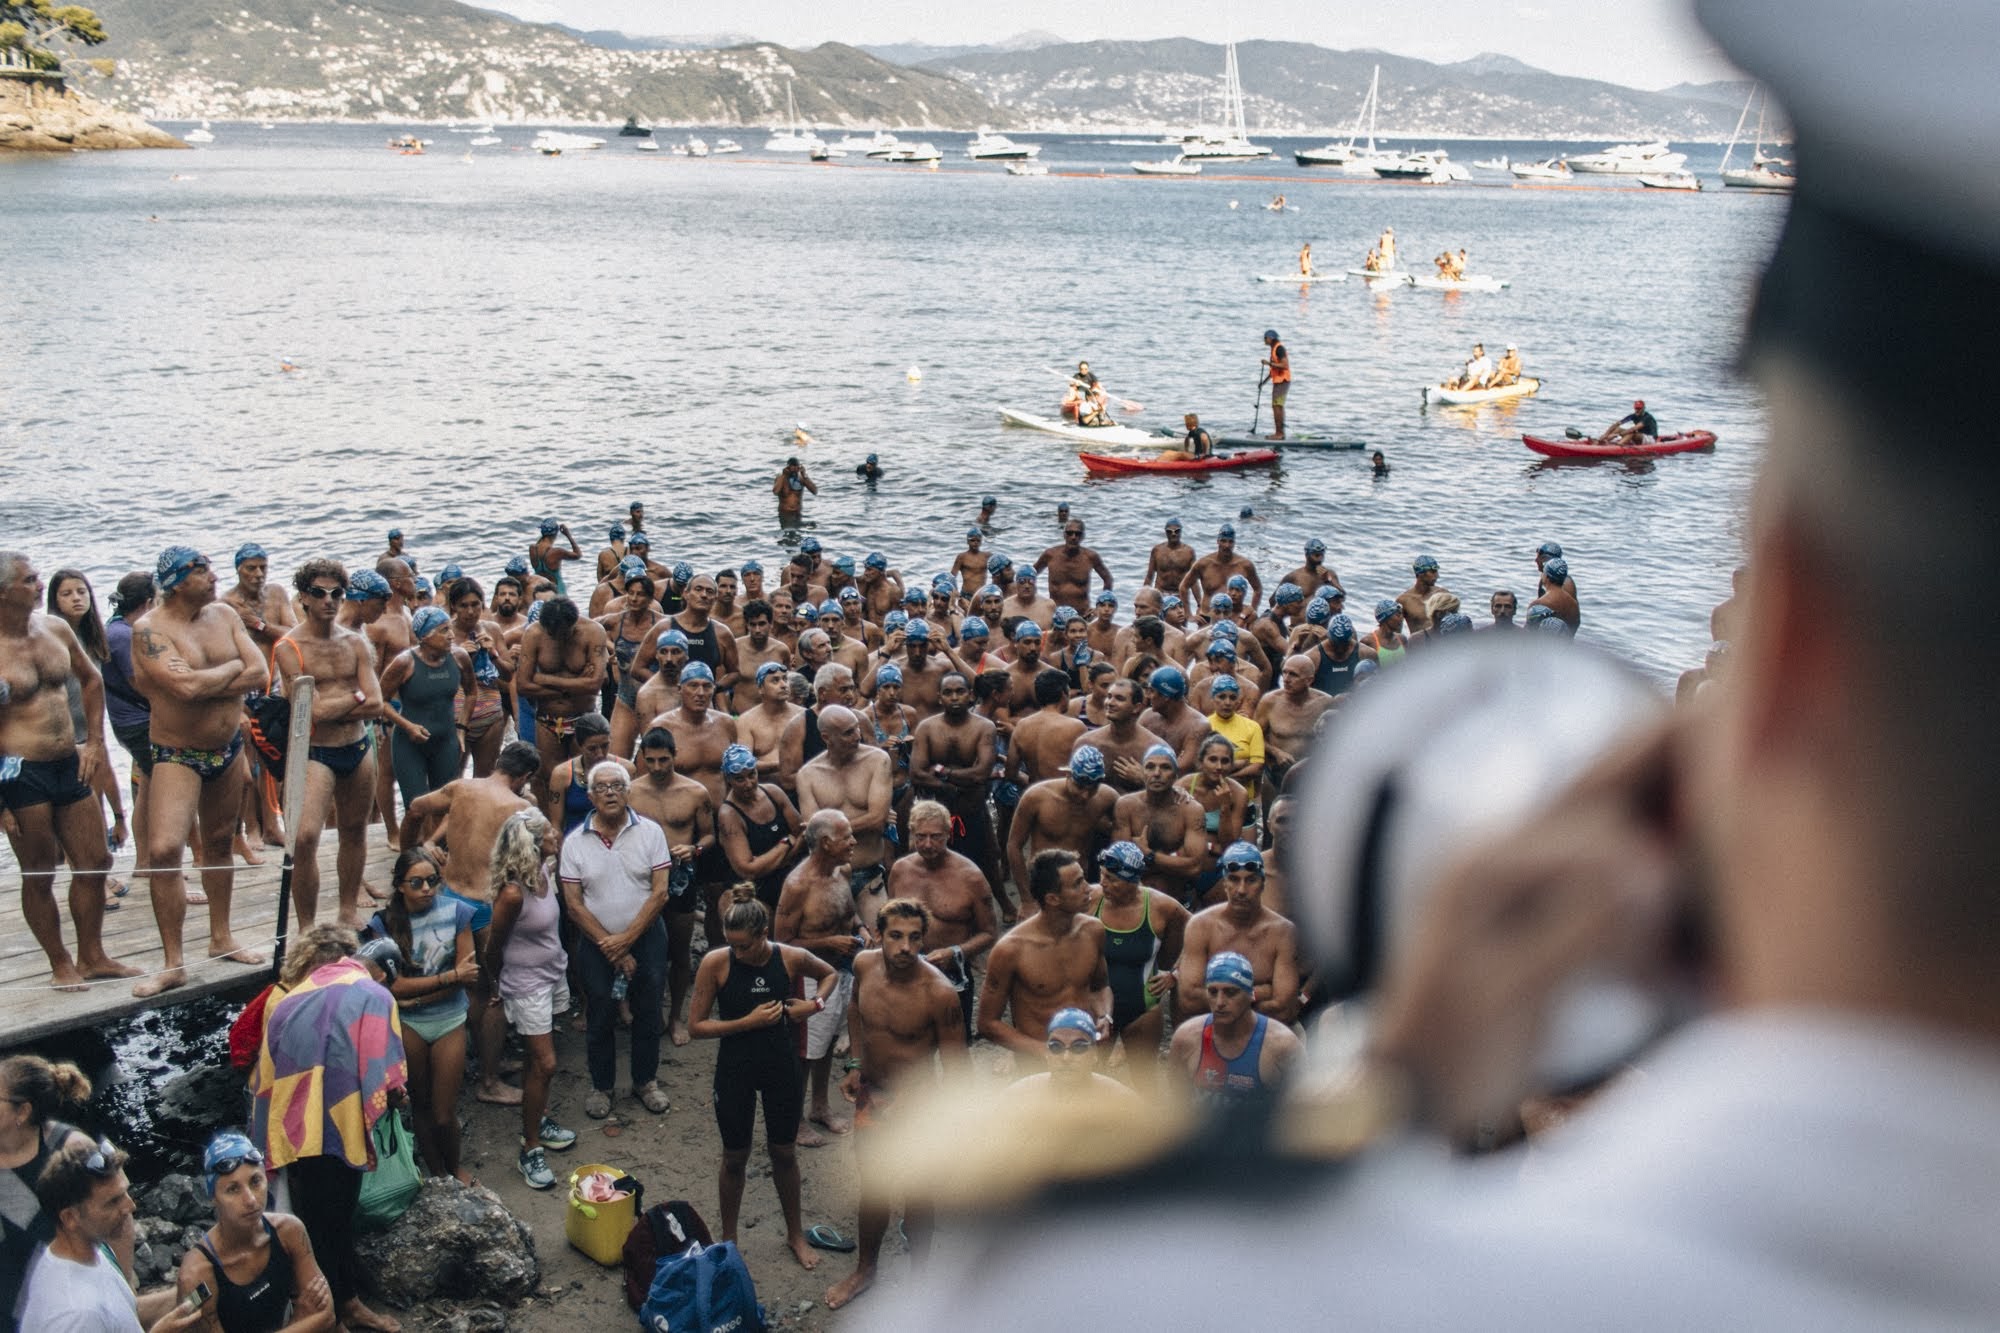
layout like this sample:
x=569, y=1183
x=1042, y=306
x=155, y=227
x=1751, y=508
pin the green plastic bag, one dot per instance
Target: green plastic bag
x=393, y=1185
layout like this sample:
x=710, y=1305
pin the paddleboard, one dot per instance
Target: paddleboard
x=1474, y=282
x=1302, y=278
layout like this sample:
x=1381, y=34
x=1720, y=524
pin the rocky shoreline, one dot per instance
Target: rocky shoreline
x=43, y=114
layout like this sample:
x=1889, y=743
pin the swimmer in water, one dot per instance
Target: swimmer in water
x=870, y=470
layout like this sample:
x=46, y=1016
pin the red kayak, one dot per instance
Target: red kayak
x=1107, y=465
x=1687, y=442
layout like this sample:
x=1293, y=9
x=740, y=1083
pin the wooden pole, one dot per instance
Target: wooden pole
x=298, y=738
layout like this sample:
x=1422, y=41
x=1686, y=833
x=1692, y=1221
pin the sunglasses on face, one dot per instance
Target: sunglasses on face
x=320, y=594
x=432, y=882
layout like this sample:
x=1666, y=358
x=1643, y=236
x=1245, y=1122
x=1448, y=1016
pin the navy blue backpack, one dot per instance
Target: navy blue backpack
x=702, y=1289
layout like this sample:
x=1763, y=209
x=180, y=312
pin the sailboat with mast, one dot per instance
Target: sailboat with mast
x=790, y=138
x=1232, y=142
x=1352, y=156
x=1763, y=173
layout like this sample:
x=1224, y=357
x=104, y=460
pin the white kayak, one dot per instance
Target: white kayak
x=1471, y=282
x=1069, y=430
x=1302, y=277
x=1525, y=387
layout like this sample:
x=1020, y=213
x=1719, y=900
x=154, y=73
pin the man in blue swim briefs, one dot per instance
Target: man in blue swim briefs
x=194, y=661
x=340, y=768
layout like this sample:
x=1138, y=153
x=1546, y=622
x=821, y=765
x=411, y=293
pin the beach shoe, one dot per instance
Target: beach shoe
x=554, y=1137
x=535, y=1170
x=653, y=1097
x=598, y=1104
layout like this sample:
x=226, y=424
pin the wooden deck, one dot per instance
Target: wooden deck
x=30, y=1009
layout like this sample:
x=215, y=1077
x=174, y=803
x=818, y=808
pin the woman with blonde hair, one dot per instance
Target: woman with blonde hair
x=524, y=952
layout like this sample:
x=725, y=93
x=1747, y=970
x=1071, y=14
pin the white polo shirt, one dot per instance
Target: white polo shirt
x=616, y=877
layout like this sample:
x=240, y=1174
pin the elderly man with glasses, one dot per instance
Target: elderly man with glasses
x=615, y=872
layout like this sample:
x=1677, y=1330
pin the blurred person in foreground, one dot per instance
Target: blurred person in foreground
x=1816, y=1152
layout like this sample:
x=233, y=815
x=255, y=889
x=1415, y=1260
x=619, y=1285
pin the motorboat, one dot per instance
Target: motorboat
x=922, y=154
x=1550, y=169
x=1232, y=143
x=987, y=147
x=202, y=135
x=1433, y=168
x=1763, y=173
x=488, y=140
x=855, y=143
x=1178, y=166
x=646, y=146
x=1671, y=180
x=1027, y=169
x=819, y=152
x=724, y=147
x=634, y=130
x=697, y=148
x=795, y=138
x=562, y=139
x=1630, y=159
x=1491, y=164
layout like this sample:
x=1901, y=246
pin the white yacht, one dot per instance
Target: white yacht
x=989, y=147
x=1178, y=166
x=564, y=141
x=1630, y=159
x=1434, y=168
x=1354, y=155
x=1552, y=169
x=855, y=143
x=697, y=148
x=1232, y=142
x=920, y=153
x=723, y=146
x=202, y=135
x=791, y=137
x=1026, y=168
x=1763, y=173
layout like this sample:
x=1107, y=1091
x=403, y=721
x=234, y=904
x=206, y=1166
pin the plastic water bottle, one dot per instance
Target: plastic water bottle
x=619, y=985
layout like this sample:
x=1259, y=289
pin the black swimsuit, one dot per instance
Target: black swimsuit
x=259, y=1305
x=762, y=837
x=765, y=1061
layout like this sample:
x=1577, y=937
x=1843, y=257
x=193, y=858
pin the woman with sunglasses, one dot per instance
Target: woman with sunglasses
x=31, y=1092
x=434, y=931
x=257, y=1265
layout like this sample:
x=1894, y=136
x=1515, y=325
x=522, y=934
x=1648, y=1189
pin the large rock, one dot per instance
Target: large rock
x=178, y=1199
x=157, y=1247
x=203, y=1099
x=42, y=114
x=456, y=1241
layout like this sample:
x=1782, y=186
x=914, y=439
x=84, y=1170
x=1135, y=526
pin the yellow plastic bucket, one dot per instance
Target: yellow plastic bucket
x=599, y=1229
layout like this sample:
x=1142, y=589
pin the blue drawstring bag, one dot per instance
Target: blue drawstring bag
x=702, y=1289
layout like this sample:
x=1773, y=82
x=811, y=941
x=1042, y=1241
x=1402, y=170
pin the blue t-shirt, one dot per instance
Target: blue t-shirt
x=128, y=707
x=433, y=950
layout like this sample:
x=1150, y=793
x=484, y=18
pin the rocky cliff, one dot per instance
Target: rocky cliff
x=41, y=114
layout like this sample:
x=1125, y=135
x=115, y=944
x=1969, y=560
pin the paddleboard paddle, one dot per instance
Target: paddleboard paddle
x=1258, y=413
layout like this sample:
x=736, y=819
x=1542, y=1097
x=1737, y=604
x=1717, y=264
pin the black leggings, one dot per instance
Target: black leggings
x=782, y=1083
x=324, y=1191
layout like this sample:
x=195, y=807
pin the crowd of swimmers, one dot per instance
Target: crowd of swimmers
x=1006, y=801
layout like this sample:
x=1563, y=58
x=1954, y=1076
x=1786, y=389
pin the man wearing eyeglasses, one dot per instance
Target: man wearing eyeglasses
x=77, y=1284
x=615, y=872
x=340, y=767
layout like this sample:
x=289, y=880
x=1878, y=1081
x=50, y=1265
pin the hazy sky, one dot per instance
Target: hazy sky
x=1643, y=43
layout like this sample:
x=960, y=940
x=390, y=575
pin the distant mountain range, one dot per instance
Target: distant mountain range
x=428, y=60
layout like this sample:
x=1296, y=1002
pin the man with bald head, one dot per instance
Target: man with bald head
x=817, y=913
x=1289, y=715
x=858, y=781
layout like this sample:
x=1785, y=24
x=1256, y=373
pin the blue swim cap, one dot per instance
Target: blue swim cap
x=871, y=458
x=227, y=1148
x=1331, y=593
x=1123, y=859
x=1270, y=335
x=251, y=551
x=1073, y=1019
x=448, y=575
x=697, y=671
x=1315, y=547
x=1163, y=750
x=845, y=564
x=1224, y=629
x=1224, y=684
x=1220, y=646
x=535, y=612
x=809, y=611
x=997, y=562
x=1062, y=616
x=671, y=637
x=1538, y=612
x=888, y=674
x=1168, y=681
x=1424, y=564
x=631, y=567
x=174, y=565
x=990, y=502
x=365, y=585
x=750, y=567
x=894, y=621
x=988, y=590
x=1556, y=569
x=740, y=759
x=1027, y=629
x=1222, y=601
x=423, y=586
x=395, y=533
x=810, y=545
x=1086, y=764
x=973, y=627
x=1246, y=512
x=1238, y=583
x=974, y=531
x=683, y=573
x=1230, y=968
x=768, y=669
x=876, y=560
x=1550, y=550
x=1318, y=611
x=1340, y=629
x=1173, y=525
x=917, y=630
x=1455, y=622
x=942, y=583
x=518, y=566
x=1107, y=598
x=1385, y=609
x=637, y=540
x=1241, y=854
x=617, y=533
x=1553, y=625
x=830, y=607
x=428, y=620
x=1367, y=666
x=1287, y=593
x=848, y=594
x=1227, y=530
x=550, y=527
x=1169, y=602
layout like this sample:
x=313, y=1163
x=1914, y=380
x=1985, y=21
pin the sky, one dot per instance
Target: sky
x=1640, y=43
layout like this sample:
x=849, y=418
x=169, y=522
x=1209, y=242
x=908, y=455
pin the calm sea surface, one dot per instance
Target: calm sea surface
x=485, y=342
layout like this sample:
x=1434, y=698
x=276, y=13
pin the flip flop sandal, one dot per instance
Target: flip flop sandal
x=823, y=1237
